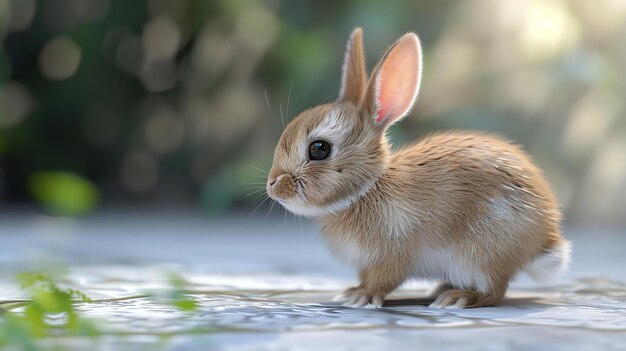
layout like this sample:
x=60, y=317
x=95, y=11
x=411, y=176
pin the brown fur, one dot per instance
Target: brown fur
x=466, y=208
x=354, y=75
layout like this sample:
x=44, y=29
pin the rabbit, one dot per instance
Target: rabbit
x=467, y=209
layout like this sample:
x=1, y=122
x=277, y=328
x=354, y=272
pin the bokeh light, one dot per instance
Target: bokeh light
x=16, y=103
x=22, y=13
x=149, y=97
x=547, y=30
x=59, y=58
x=164, y=131
x=160, y=39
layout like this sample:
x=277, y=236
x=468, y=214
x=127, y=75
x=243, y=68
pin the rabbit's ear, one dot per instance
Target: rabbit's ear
x=395, y=81
x=353, y=80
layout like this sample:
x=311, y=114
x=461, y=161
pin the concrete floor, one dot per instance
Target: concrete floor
x=267, y=283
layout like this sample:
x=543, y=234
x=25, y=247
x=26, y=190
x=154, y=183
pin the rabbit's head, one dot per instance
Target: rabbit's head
x=332, y=154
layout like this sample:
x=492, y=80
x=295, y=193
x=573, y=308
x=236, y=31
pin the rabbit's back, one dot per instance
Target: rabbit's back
x=470, y=183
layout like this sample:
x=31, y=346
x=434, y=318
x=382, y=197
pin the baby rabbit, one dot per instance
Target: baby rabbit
x=468, y=209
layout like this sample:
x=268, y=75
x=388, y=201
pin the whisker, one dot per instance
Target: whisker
x=256, y=197
x=259, y=169
x=260, y=179
x=256, y=208
x=289, y=97
x=278, y=208
x=253, y=187
x=282, y=118
x=297, y=100
x=256, y=192
x=271, y=208
x=259, y=185
x=267, y=100
x=301, y=227
x=328, y=97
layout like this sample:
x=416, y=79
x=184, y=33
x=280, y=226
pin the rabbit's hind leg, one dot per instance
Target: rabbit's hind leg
x=457, y=298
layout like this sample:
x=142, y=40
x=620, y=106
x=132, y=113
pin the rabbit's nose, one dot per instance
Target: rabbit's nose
x=275, y=181
x=282, y=187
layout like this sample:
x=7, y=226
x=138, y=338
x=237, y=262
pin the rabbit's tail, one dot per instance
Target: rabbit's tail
x=550, y=262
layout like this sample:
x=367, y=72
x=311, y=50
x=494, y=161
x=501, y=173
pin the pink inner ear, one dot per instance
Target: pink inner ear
x=398, y=80
x=382, y=112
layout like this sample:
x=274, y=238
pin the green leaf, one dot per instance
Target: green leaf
x=63, y=193
x=176, y=295
x=16, y=331
x=186, y=305
x=34, y=319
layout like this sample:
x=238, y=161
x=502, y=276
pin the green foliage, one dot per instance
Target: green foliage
x=63, y=193
x=177, y=296
x=37, y=282
x=50, y=311
x=22, y=330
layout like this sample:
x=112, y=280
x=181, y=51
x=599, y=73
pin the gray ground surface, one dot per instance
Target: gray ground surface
x=267, y=283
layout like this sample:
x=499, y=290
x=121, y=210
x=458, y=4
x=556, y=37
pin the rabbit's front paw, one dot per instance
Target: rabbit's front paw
x=359, y=297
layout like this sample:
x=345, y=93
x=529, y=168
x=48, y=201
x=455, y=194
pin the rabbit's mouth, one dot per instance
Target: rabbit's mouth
x=297, y=203
x=288, y=191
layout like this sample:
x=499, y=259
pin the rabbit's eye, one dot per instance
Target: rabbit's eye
x=319, y=150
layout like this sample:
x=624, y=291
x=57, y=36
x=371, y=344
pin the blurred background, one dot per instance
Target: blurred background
x=177, y=104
